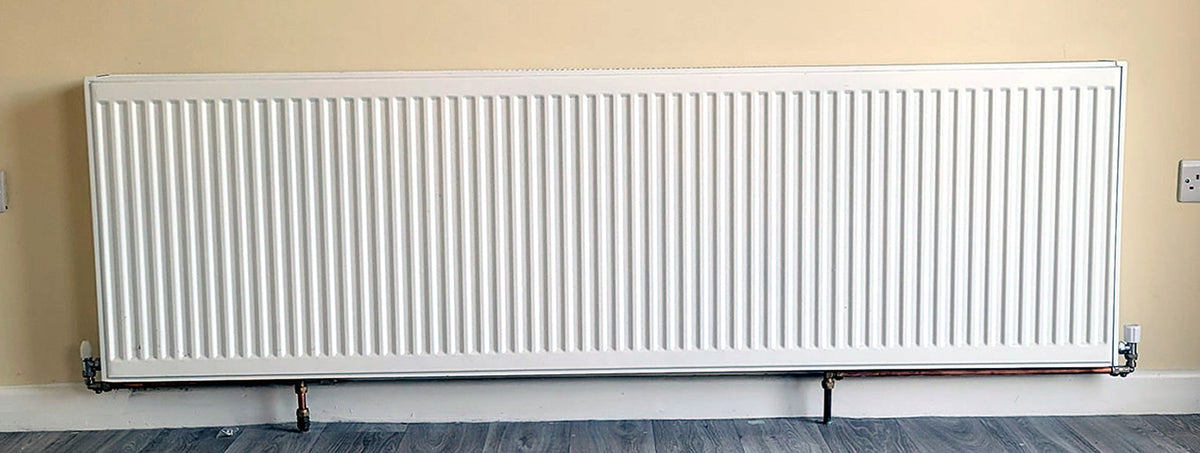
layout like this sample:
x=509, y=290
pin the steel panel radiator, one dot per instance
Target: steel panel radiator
x=290, y=226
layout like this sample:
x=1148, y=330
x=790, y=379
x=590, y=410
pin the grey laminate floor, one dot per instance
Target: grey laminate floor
x=1150, y=433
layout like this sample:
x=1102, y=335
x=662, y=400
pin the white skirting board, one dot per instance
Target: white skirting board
x=71, y=407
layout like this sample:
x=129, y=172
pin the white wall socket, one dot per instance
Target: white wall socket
x=1189, y=181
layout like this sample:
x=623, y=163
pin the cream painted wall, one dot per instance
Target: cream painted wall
x=47, y=286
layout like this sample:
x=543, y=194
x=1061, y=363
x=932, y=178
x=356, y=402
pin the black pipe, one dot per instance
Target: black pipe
x=828, y=415
x=827, y=383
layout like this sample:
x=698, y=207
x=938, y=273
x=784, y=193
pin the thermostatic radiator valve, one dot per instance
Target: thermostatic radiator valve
x=1132, y=335
x=91, y=369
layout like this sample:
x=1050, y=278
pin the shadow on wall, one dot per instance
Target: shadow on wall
x=51, y=211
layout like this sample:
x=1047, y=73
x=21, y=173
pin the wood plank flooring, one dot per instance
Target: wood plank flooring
x=1033, y=434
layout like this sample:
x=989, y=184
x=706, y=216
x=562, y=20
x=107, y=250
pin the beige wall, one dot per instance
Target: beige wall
x=47, y=287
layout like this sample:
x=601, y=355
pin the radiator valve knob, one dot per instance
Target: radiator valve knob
x=1133, y=333
x=85, y=350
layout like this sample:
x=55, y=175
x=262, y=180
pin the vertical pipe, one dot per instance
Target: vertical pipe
x=827, y=415
x=302, y=419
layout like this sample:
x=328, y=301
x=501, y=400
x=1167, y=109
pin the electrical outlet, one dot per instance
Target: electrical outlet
x=1189, y=181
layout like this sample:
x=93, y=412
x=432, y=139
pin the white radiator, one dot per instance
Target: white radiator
x=274, y=226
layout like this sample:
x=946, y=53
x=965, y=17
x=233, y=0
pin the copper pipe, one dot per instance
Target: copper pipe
x=302, y=415
x=832, y=376
x=302, y=395
x=985, y=372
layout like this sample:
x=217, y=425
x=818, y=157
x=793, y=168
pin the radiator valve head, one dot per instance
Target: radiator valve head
x=1133, y=333
x=85, y=350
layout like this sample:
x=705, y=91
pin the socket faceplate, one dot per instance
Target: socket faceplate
x=1189, y=181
